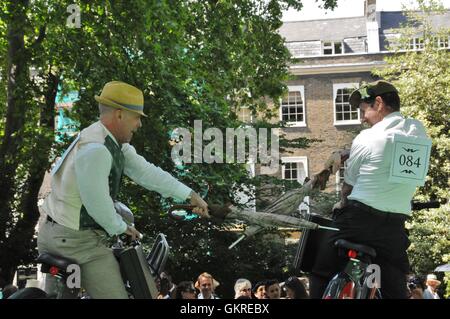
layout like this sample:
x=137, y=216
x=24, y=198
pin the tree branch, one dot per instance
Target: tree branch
x=40, y=38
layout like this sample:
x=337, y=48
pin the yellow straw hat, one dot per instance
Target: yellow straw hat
x=123, y=96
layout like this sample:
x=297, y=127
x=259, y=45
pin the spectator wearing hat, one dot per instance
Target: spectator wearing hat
x=86, y=181
x=185, y=290
x=374, y=206
x=259, y=290
x=242, y=287
x=432, y=284
x=207, y=285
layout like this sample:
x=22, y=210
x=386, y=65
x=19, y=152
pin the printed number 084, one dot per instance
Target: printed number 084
x=408, y=161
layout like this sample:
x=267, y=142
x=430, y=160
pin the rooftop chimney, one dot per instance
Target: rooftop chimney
x=373, y=38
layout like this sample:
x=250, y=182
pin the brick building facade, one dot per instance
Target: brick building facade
x=334, y=56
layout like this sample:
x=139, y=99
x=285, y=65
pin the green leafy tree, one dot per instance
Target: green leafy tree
x=28, y=91
x=423, y=80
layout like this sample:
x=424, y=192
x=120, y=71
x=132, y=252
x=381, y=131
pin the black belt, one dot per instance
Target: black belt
x=94, y=228
x=375, y=211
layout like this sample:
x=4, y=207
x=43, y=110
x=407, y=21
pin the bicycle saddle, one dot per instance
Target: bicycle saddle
x=342, y=243
x=52, y=260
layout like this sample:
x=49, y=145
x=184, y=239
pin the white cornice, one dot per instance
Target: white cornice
x=304, y=69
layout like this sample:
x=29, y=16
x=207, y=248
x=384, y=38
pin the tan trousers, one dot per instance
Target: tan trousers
x=100, y=272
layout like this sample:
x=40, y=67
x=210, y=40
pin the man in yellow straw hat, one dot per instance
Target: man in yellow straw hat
x=85, y=182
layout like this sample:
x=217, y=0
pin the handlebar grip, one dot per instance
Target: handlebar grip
x=424, y=205
x=179, y=207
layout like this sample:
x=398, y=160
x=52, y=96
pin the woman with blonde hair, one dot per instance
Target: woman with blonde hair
x=242, y=287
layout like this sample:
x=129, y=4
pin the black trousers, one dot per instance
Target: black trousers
x=385, y=232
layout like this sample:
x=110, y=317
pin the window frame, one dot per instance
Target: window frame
x=336, y=87
x=439, y=40
x=416, y=44
x=332, y=47
x=301, y=89
x=294, y=159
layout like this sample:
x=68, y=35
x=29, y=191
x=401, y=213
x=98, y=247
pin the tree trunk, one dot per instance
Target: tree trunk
x=17, y=99
x=21, y=244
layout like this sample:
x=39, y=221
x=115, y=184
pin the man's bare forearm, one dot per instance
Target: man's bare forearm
x=346, y=190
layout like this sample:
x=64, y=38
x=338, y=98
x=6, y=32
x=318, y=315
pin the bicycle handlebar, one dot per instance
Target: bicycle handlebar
x=179, y=212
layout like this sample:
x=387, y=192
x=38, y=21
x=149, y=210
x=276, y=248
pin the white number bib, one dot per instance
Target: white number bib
x=410, y=160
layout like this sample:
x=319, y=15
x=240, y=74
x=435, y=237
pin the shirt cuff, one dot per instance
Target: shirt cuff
x=123, y=231
x=182, y=191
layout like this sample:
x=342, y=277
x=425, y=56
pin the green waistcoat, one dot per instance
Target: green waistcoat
x=114, y=178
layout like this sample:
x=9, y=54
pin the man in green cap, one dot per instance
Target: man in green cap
x=86, y=181
x=374, y=207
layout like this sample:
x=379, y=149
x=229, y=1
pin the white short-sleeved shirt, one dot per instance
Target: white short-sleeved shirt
x=368, y=166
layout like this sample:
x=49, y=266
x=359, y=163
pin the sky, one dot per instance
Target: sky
x=345, y=8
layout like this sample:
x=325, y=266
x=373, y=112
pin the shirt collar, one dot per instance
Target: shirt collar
x=110, y=134
x=392, y=115
x=387, y=120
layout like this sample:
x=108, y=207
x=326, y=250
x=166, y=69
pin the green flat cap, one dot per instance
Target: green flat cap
x=369, y=91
